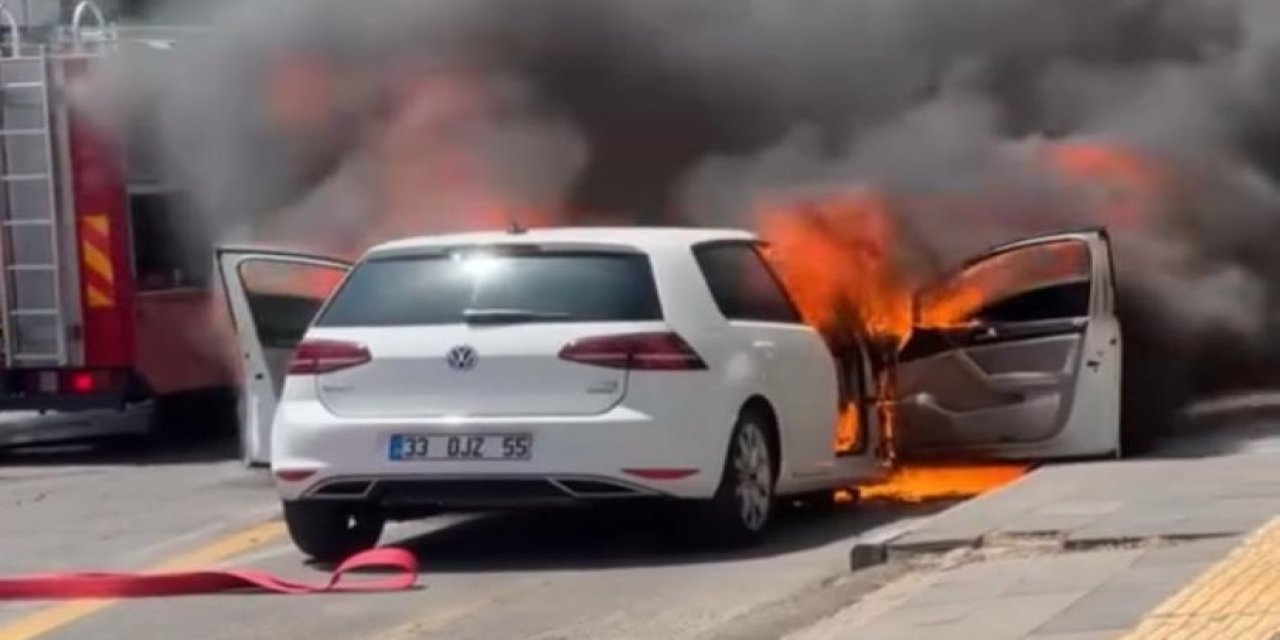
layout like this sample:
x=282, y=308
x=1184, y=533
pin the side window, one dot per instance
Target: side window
x=742, y=284
x=170, y=251
x=1039, y=282
x=171, y=248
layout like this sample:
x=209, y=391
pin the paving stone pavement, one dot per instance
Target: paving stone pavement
x=1082, y=551
x=1101, y=502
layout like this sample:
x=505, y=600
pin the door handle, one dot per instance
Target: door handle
x=765, y=348
x=986, y=333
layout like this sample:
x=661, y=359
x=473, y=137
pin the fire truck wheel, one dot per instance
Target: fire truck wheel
x=332, y=531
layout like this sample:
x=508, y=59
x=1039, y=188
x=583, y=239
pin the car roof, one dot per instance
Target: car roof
x=642, y=238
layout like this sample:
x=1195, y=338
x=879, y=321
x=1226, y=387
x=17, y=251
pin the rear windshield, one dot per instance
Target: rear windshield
x=450, y=289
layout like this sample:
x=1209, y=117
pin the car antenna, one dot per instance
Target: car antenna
x=513, y=224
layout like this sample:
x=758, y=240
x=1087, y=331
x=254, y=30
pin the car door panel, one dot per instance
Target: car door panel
x=270, y=318
x=1023, y=382
x=964, y=388
x=802, y=379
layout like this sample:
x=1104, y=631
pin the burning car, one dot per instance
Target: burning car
x=1015, y=354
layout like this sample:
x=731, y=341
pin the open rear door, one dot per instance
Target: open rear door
x=1016, y=355
x=273, y=296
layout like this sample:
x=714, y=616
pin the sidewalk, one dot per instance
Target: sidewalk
x=1140, y=550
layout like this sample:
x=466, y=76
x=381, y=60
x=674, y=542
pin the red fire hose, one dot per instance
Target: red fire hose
x=65, y=586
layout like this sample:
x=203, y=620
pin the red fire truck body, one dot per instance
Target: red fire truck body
x=99, y=311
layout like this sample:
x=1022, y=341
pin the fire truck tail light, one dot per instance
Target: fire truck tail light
x=74, y=382
x=82, y=382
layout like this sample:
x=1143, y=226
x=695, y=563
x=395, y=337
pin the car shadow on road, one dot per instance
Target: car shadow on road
x=121, y=451
x=618, y=537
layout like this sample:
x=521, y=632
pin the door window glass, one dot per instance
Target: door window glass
x=284, y=296
x=1037, y=282
x=743, y=285
x=551, y=286
x=170, y=249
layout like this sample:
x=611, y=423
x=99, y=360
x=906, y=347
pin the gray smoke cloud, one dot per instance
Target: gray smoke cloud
x=679, y=111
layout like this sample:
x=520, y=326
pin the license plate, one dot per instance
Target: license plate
x=461, y=447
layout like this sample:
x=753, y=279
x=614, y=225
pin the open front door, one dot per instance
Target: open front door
x=1016, y=355
x=273, y=296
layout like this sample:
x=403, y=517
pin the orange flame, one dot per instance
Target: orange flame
x=836, y=258
x=918, y=484
x=840, y=258
x=429, y=168
x=434, y=179
x=1000, y=276
x=838, y=255
x=847, y=429
x=1129, y=189
x=300, y=93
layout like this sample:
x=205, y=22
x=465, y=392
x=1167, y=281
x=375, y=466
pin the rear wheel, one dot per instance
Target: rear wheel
x=744, y=503
x=331, y=532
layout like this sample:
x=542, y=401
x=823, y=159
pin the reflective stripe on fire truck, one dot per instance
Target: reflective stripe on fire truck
x=95, y=252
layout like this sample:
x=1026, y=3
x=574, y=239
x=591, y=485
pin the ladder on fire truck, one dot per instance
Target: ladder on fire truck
x=32, y=290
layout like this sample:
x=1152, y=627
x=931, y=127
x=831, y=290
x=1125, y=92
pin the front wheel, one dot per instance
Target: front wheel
x=332, y=531
x=744, y=502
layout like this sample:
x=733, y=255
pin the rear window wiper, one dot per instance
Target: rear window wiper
x=501, y=316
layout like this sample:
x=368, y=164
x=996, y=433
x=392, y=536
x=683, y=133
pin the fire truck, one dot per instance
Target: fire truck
x=109, y=317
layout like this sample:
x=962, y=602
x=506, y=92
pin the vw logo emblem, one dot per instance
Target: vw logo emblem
x=462, y=358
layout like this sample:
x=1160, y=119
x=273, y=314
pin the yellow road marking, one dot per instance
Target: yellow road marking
x=57, y=616
x=1238, y=598
x=441, y=615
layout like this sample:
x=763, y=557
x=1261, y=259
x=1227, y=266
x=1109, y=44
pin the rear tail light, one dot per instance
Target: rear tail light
x=294, y=475
x=658, y=351
x=314, y=357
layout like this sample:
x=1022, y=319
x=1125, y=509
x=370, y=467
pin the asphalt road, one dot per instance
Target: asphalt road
x=548, y=575
x=569, y=574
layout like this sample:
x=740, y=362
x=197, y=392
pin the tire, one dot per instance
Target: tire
x=332, y=532
x=745, y=501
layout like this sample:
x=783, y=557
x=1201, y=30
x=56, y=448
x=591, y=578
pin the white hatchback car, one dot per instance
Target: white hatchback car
x=507, y=369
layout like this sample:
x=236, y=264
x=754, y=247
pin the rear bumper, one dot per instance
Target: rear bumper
x=473, y=492
x=572, y=458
